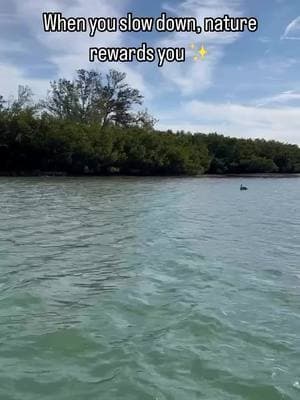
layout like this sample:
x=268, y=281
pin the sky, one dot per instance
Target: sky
x=248, y=85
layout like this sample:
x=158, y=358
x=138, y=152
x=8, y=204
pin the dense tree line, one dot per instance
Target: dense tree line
x=92, y=125
x=240, y=156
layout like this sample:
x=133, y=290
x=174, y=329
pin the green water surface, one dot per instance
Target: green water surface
x=142, y=288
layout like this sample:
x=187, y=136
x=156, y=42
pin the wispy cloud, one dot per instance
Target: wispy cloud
x=233, y=68
x=192, y=75
x=236, y=120
x=292, y=31
x=11, y=77
x=66, y=52
x=69, y=51
x=264, y=40
x=281, y=98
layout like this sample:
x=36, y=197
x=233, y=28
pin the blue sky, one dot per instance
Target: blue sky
x=248, y=85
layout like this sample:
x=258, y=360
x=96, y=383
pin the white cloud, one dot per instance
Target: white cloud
x=292, y=31
x=11, y=77
x=198, y=76
x=264, y=40
x=281, y=98
x=69, y=51
x=236, y=120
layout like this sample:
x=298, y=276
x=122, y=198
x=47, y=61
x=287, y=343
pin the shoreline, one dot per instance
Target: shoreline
x=258, y=175
x=54, y=174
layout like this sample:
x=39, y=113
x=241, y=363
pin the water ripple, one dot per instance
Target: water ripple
x=149, y=288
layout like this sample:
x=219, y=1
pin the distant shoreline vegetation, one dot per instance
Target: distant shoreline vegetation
x=91, y=126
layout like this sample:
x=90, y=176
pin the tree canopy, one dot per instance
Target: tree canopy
x=92, y=125
x=93, y=98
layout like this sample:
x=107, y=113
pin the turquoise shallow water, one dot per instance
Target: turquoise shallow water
x=131, y=288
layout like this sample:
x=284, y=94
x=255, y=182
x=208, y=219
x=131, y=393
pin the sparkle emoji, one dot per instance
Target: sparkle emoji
x=200, y=54
x=203, y=52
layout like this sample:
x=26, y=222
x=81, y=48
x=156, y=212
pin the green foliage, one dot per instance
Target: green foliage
x=257, y=164
x=235, y=156
x=91, y=98
x=88, y=127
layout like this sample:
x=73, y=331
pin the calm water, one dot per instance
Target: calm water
x=149, y=289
